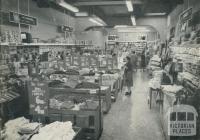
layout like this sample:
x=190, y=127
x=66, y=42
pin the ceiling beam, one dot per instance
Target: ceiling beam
x=105, y=3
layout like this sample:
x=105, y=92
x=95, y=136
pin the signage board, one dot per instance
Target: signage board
x=182, y=120
x=38, y=97
x=186, y=15
x=22, y=19
x=112, y=37
x=64, y=28
x=182, y=128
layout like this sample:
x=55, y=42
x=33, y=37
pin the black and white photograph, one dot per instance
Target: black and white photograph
x=99, y=69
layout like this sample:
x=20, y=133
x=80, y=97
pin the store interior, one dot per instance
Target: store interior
x=99, y=69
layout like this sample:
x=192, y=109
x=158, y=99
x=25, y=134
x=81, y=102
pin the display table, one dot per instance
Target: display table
x=169, y=97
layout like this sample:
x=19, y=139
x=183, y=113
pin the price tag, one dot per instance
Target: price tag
x=93, y=91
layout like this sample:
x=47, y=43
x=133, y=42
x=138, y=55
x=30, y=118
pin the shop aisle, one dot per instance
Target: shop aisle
x=130, y=117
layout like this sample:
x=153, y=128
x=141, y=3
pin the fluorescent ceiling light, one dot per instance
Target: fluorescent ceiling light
x=133, y=31
x=155, y=14
x=67, y=6
x=81, y=14
x=133, y=20
x=96, y=22
x=129, y=5
x=121, y=26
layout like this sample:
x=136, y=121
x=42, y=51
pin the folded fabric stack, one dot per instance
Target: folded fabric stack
x=57, y=104
x=155, y=63
x=55, y=131
x=12, y=127
x=155, y=82
x=29, y=128
x=172, y=88
x=89, y=104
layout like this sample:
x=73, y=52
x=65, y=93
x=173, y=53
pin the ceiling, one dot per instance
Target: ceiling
x=109, y=9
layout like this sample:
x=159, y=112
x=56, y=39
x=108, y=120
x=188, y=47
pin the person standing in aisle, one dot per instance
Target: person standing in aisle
x=134, y=61
x=143, y=63
x=128, y=75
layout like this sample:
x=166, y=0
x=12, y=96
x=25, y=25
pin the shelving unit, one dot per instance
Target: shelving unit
x=190, y=56
x=6, y=95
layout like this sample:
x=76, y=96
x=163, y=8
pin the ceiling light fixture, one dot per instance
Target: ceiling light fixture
x=67, y=6
x=121, y=26
x=133, y=20
x=155, y=14
x=96, y=22
x=129, y=5
x=81, y=14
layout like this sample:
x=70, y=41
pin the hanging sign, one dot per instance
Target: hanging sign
x=38, y=97
x=112, y=37
x=22, y=19
x=186, y=15
x=64, y=28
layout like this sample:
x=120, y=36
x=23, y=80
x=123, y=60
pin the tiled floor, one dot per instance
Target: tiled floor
x=130, y=117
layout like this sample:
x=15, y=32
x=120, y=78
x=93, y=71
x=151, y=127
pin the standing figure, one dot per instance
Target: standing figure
x=128, y=75
x=143, y=63
x=134, y=61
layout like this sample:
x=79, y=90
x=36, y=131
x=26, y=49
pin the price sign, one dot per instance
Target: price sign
x=76, y=61
x=38, y=97
x=93, y=61
x=67, y=60
x=83, y=61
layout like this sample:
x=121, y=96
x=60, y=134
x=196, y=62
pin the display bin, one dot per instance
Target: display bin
x=86, y=118
x=83, y=120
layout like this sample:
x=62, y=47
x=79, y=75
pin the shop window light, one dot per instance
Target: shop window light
x=81, y=14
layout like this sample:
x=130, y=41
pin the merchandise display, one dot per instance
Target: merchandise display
x=155, y=63
x=17, y=128
x=59, y=131
x=155, y=82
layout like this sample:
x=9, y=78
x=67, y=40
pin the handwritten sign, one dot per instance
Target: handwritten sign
x=38, y=97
